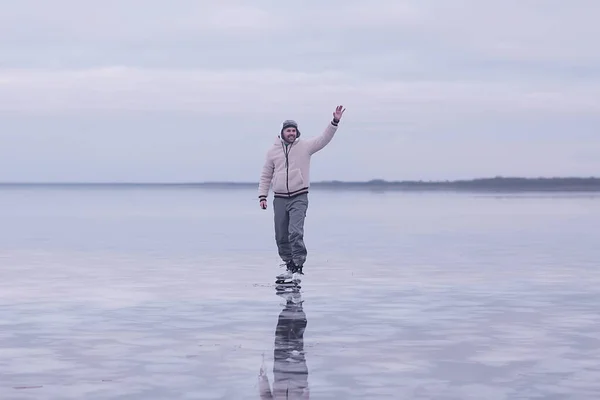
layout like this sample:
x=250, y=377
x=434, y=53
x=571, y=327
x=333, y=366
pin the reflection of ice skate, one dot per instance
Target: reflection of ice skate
x=287, y=286
x=290, y=296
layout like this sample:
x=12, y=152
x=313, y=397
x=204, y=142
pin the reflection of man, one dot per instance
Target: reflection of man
x=289, y=368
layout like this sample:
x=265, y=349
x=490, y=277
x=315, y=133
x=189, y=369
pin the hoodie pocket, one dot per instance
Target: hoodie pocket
x=291, y=181
x=296, y=180
x=279, y=184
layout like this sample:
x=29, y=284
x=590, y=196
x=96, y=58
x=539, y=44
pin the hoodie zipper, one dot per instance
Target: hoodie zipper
x=286, y=151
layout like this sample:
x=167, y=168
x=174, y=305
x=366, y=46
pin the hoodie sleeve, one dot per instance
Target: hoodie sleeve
x=317, y=143
x=266, y=176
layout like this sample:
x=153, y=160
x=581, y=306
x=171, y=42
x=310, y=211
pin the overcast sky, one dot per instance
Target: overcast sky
x=190, y=90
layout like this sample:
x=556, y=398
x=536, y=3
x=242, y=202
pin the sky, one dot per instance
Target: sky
x=196, y=90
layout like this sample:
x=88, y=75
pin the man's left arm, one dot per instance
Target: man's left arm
x=324, y=138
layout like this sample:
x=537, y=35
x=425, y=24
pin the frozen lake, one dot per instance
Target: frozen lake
x=165, y=293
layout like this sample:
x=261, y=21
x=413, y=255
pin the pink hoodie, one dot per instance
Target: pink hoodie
x=291, y=178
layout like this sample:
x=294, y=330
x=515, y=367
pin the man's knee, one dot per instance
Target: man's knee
x=282, y=237
x=296, y=228
x=296, y=234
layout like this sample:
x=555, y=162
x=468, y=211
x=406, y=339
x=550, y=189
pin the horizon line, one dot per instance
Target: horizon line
x=334, y=181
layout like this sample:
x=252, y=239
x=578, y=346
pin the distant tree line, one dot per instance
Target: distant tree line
x=491, y=184
x=504, y=184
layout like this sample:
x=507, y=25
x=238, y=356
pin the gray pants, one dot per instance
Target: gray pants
x=289, y=227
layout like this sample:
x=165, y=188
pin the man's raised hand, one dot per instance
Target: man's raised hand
x=337, y=114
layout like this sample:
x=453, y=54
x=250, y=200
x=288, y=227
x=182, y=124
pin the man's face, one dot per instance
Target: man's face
x=289, y=134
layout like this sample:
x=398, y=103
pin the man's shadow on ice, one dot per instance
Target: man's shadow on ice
x=290, y=372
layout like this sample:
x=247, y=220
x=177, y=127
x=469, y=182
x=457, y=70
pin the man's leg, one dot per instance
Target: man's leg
x=281, y=219
x=297, y=207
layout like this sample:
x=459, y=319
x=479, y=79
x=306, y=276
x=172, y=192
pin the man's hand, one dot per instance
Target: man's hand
x=337, y=114
x=263, y=204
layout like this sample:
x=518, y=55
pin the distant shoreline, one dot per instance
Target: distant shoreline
x=496, y=184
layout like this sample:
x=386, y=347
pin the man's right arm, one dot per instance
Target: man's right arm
x=266, y=176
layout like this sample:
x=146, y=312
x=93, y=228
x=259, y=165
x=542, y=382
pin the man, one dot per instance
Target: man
x=287, y=168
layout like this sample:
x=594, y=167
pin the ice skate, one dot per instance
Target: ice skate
x=285, y=275
x=290, y=277
x=296, y=274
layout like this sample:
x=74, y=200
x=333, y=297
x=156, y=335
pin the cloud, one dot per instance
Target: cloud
x=428, y=78
x=265, y=90
x=129, y=21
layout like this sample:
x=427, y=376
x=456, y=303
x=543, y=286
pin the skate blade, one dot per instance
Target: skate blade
x=287, y=286
x=287, y=282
